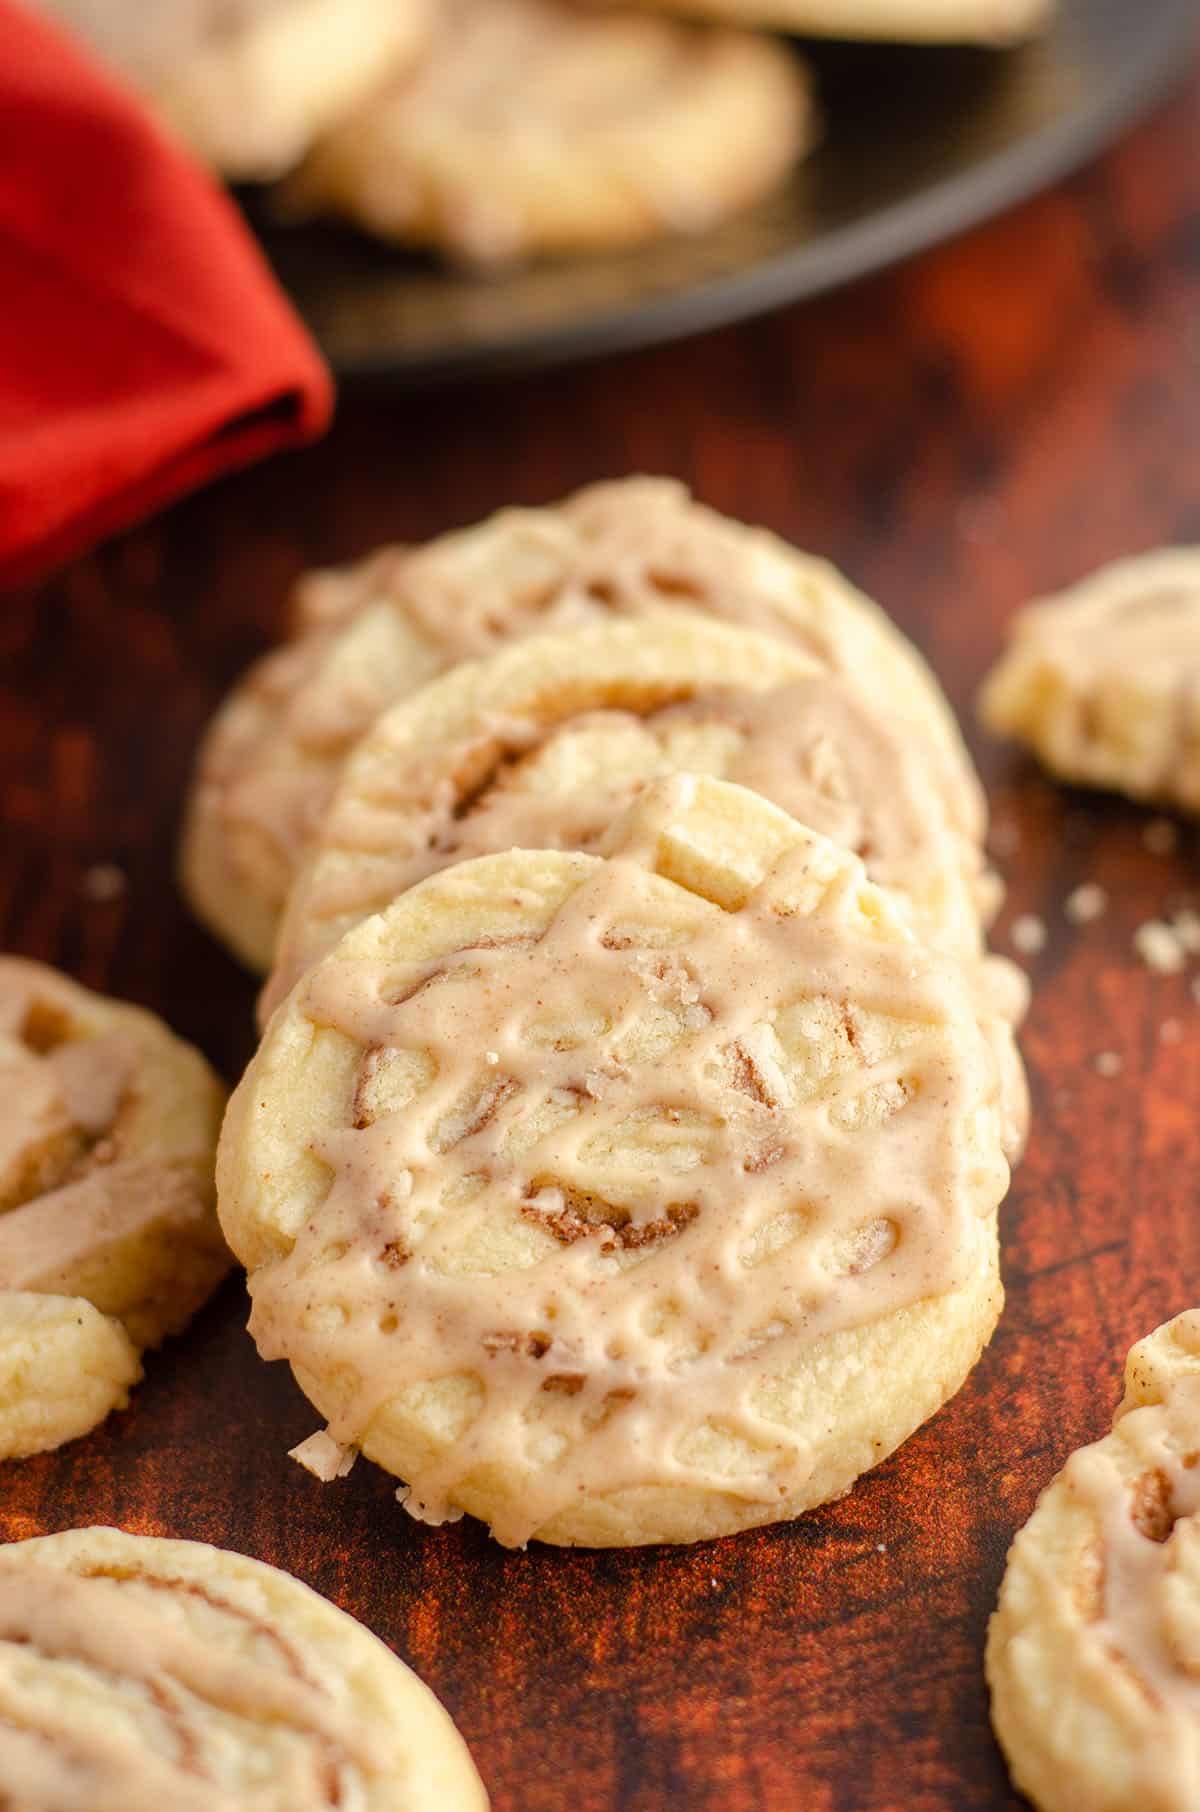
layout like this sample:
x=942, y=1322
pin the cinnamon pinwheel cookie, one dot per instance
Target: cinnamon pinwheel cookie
x=371, y=634
x=628, y=1198
x=1094, y=1652
x=536, y=126
x=543, y=745
x=1103, y=682
x=249, y=85
x=108, y=1235
x=138, y=1674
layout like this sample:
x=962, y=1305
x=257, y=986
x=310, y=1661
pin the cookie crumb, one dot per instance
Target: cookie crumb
x=422, y=1512
x=103, y=882
x=1086, y=904
x=881, y=1547
x=1159, y=948
x=324, y=1457
x=491, y=1057
x=1170, y=1031
x=1108, y=1063
x=1028, y=934
x=1161, y=837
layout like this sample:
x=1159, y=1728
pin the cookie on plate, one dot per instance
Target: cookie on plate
x=628, y=1198
x=906, y=21
x=543, y=745
x=535, y=126
x=108, y=1235
x=368, y=635
x=248, y=85
x=1103, y=681
x=138, y=1673
x=1094, y=1652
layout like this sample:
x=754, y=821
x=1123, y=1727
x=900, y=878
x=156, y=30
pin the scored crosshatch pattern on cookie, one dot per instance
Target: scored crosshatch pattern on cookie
x=108, y=1235
x=137, y=1674
x=366, y=636
x=628, y=1199
x=1094, y=1652
x=544, y=745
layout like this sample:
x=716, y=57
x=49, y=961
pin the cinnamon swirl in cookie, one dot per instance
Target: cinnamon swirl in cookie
x=625, y=1198
x=138, y=1674
x=108, y=1236
x=543, y=745
x=1103, y=682
x=369, y=635
x=1094, y=1652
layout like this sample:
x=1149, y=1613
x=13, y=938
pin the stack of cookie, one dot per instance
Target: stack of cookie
x=489, y=130
x=622, y=1157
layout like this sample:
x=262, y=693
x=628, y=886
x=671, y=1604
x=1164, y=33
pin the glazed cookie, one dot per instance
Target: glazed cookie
x=911, y=21
x=543, y=745
x=248, y=85
x=371, y=634
x=533, y=126
x=1094, y=1652
x=624, y=1199
x=1103, y=682
x=108, y=1237
x=137, y=1674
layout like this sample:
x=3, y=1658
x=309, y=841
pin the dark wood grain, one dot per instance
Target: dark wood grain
x=989, y=422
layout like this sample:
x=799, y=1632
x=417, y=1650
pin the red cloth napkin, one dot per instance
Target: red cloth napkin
x=144, y=346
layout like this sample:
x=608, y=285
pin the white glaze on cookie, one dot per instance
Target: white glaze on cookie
x=137, y=1674
x=107, y=1130
x=1103, y=682
x=697, y=1139
x=369, y=635
x=1094, y=1653
x=544, y=745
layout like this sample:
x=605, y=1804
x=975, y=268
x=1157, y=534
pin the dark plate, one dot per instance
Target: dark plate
x=918, y=145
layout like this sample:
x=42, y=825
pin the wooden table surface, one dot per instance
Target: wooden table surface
x=991, y=421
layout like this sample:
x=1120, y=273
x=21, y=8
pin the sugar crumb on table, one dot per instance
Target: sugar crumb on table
x=1028, y=934
x=1159, y=948
x=1086, y=903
